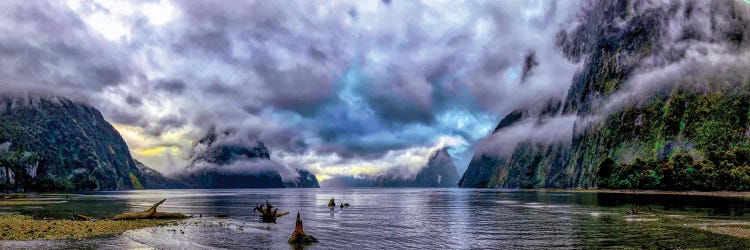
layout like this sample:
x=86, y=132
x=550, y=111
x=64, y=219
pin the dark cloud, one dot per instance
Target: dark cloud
x=172, y=85
x=168, y=122
x=46, y=49
x=133, y=100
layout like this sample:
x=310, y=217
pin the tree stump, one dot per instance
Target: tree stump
x=331, y=203
x=268, y=214
x=299, y=237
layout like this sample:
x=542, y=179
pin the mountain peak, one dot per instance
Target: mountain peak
x=439, y=171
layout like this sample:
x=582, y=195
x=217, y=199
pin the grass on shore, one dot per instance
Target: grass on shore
x=15, y=202
x=736, y=230
x=22, y=227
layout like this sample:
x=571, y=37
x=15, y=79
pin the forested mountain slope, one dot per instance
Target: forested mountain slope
x=660, y=102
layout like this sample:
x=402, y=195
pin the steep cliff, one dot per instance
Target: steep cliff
x=659, y=81
x=305, y=179
x=155, y=180
x=439, y=172
x=56, y=144
x=219, y=160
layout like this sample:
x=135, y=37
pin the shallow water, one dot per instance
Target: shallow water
x=406, y=218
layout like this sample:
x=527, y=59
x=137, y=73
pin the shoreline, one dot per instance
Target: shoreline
x=32, y=197
x=17, y=227
x=24, y=227
x=733, y=194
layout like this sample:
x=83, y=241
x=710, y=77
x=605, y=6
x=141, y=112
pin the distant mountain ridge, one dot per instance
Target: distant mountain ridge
x=438, y=172
x=156, y=180
x=55, y=144
x=217, y=163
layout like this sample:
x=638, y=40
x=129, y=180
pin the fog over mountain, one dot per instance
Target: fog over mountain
x=340, y=88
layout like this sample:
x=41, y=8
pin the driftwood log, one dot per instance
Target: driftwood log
x=82, y=217
x=268, y=214
x=299, y=237
x=151, y=213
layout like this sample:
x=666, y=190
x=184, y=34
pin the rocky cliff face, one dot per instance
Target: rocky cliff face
x=305, y=179
x=219, y=161
x=155, y=180
x=658, y=80
x=439, y=172
x=56, y=144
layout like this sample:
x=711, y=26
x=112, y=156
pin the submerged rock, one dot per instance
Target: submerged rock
x=331, y=203
x=299, y=237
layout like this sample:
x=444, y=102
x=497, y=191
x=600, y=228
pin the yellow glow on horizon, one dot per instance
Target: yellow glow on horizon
x=161, y=152
x=157, y=150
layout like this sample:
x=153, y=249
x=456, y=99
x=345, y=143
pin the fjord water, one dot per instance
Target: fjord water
x=407, y=218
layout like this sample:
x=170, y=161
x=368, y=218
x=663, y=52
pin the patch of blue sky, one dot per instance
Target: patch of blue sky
x=513, y=74
x=475, y=125
x=350, y=122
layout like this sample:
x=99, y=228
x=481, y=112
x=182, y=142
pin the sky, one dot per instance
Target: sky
x=340, y=88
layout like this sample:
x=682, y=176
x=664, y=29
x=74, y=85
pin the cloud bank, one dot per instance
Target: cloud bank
x=336, y=87
x=701, y=45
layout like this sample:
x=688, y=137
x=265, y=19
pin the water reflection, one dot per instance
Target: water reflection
x=406, y=218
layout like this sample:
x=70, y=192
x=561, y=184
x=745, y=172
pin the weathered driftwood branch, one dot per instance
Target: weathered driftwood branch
x=82, y=217
x=267, y=215
x=151, y=213
x=299, y=237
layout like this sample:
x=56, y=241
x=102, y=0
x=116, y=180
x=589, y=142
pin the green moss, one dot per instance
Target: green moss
x=136, y=183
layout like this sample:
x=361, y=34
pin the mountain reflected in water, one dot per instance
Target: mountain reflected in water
x=408, y=218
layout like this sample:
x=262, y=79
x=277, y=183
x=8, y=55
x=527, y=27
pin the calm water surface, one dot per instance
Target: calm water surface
x=407, y=218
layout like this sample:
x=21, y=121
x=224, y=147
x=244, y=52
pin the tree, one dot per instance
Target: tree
x=604, y=173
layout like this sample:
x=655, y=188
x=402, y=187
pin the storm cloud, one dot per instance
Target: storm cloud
x=335, y=87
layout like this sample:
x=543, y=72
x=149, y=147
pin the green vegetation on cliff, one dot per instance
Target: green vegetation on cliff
x=57, y=144
x=721, y=170
x=652, y=104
